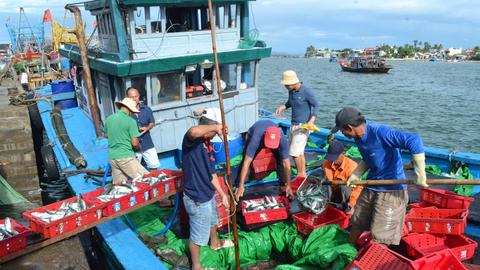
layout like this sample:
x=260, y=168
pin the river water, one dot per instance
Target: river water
x=439, y=101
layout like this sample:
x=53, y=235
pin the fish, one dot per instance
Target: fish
x=65, y=209
x=6, y=229
x=152, y=180
x=266, y=203
x=117, y=191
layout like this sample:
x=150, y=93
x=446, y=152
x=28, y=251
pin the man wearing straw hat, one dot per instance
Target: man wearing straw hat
x=380, y=209
x=122, y=133
x=304, y=111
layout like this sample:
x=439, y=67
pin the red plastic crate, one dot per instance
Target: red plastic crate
x=443, y=221
x=419, y=245
x=263, y=163
x=266, y=215
x=444, y=198
x=440, y=260
x=16, y=242
x=66, y=224
x=118, y=204
x=173, y=183
x=421, y=205
x=378, y=257
x=296, y=183
x=307, y=222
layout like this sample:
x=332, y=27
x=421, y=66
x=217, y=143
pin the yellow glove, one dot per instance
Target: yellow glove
x=357, y=173
x=419, y=167
x=314, y=128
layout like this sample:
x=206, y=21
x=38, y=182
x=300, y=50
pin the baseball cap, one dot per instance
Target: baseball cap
x=334, y=150
x=346, y=116
x=272, y=137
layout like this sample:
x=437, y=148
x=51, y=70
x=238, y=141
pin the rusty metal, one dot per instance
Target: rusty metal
x=79, y=32
x=225, y=137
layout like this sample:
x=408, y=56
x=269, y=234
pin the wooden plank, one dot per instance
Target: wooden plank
x=61, y=237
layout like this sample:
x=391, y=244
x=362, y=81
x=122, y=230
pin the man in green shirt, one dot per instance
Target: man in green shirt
x=122, y=133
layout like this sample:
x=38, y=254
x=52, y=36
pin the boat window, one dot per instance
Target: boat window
x=156, y=19
x=228, y=74
x=248, y=79
x=139, y=83
x=232, y=16
x=179, y=19
x=139, y=14
x=166, y=88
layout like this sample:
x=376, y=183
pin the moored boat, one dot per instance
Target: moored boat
x=365, y=65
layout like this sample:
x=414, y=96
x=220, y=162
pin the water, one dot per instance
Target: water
x=438, y=101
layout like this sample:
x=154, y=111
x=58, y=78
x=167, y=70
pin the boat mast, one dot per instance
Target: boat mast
x=225, y=137
x=86, y=67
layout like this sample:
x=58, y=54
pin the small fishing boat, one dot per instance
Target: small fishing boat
x=365, y=65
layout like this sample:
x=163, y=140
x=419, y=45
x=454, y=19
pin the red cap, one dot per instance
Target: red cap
x=272, y=137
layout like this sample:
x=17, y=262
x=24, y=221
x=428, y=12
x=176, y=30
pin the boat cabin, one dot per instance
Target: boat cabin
x=163, y=48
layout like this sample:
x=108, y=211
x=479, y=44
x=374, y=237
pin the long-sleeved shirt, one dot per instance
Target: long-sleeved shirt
x=304, y=104
x=380, y=148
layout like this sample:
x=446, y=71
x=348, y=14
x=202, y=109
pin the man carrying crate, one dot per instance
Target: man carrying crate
x=380, y=209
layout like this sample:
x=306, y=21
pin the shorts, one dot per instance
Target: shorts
x=297, y=140
x=150, y=156
x=202, y=217
x=122, y=168
x=383, y=213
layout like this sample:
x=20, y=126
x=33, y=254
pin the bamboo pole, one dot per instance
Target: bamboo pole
x=408, y=182
x=225, y=137
x=92, y=98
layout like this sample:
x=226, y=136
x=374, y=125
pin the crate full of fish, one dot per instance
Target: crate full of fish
x=13, y=236
x=161, y=182
x=63, y=216
x=115, y=198
x=268, y=208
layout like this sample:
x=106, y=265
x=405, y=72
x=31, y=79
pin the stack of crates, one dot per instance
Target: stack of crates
x=437, y=223
x=433, y=237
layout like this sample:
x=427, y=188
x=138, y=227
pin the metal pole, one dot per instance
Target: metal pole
x=86, y=67
x=224, y=132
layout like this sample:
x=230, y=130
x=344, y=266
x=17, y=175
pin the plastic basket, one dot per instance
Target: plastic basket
x=440, y=260
x=296, y=183
x=66, y=224
x=307, y=222
x=16, y=242
x=445, y=199
x=421, y=205
x=419, y=245
x=266, y=215
x=443, y=221
x=264, y=162
x=223, y=214
x=378, y=257
x=119, y=204
x=174, y=182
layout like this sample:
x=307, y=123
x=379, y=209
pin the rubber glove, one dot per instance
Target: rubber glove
x=357, y=173
x=419, y=167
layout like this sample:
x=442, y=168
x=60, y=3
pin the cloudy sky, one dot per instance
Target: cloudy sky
x=291, y=26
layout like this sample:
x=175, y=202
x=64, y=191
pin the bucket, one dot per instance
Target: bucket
x=235, y=147
x=65, y=64
x=64, y=86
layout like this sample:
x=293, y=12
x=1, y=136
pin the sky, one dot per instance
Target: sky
x=291, y=26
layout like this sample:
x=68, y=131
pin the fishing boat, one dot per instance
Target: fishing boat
x=163, y=48
x=365, y=65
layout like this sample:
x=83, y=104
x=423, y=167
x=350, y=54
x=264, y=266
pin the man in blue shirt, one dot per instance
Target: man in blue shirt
x=266, y=134
x=200, y=184
x=380, y=209
x=304, y=106
x=145, y=123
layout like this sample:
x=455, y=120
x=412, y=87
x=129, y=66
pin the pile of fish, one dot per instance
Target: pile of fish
x=6, y=229
x=116, y=191
x=65, y=209
x=151, y=180
x=268, y=202
x=313, y=195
